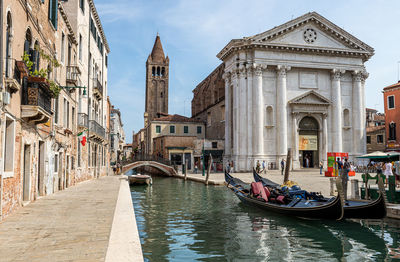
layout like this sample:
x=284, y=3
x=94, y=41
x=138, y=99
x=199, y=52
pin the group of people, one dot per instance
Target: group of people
x=388, y=168
x=117, y=168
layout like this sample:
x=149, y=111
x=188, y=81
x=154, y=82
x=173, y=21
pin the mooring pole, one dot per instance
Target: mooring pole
x=186, y=164
x=210, y=160
x=287, y=167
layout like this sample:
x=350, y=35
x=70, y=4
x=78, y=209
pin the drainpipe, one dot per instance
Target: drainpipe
x=88, y=87
x=1, y=74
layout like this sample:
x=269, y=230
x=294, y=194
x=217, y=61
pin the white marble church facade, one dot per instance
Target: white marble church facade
x=300, y=85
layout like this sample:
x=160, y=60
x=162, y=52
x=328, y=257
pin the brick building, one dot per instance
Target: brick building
x=391, y=97
x=376, y=134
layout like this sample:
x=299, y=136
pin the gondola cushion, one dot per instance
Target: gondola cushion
x=280, y=199
x=267, y=192
x=258, y=190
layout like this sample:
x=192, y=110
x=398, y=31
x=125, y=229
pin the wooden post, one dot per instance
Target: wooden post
x=210, y=160
x=287, y=167
x=186, y=164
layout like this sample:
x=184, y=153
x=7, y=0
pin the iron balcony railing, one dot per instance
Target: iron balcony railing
x=96, y=128
x=73, y=73
x=36, y=92
x=98, y=86
x=83, y=120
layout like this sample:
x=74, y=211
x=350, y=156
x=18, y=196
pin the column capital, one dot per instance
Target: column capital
x=258, y=68
x=282, y=69
x=336, y=74
x=242, y=72
x=357, y=75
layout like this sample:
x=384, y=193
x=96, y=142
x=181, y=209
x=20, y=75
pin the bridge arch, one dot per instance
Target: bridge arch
x=168, y=170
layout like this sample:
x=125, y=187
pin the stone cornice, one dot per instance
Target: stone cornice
x=98, y=22
x=65, y=17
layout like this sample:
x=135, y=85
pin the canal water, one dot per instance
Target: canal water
x=186, y=221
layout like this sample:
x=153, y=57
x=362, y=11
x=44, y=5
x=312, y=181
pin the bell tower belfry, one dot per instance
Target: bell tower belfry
x=157, y=76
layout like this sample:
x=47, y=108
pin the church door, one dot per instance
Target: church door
x=308, y=142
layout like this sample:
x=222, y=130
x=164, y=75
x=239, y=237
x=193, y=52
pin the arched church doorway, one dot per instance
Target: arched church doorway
x=308, y=142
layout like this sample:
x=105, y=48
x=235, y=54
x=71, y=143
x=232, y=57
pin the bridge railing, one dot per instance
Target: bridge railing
x=144, y=157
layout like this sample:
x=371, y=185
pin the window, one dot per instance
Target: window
x=158, y=129
x=56, y=111
x=55, y=163
x=9, y=142
x=73, y=118
x=346, y=117
x=392, y=131
x=390, y=102
x=62, y=47
x=368, y=139
x=53, y=11
x=185, y=129
x=214, y=144
x=8, y=45
x=106, y=60
x=65, y=113
x=199, y=130
x=82, y=5
x=270, y=116
x=80, y=48
x=172, y=129
x=379, y=139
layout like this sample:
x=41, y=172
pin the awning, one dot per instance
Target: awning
x=380, y=155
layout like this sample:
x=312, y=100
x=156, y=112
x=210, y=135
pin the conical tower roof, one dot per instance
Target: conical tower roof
x=157, y=54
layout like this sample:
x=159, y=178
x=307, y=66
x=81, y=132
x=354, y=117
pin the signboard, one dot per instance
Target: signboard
x=308, y=142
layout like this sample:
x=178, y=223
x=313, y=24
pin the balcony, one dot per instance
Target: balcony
x=97, y=88
x=14, y=73
x=83, y=120
x=73, y=74
x=96, y=131
x=36, y=100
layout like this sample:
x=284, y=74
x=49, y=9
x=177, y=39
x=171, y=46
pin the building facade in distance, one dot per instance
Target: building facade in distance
x=391, y=97
x=299, y=85
x=376, y=132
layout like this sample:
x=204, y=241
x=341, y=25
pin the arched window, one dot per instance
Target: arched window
x=309, y=124
x=346, y=117
x=161, y=94
x=8, y=45
x=158, y=71
x=35, y=56
x=392, y=131
x=269, y=116
x=28, y=41
x=163, y=71
x=153, y=71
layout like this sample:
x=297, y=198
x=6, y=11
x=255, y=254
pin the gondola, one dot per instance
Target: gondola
x=329, y=209
x=362, y=209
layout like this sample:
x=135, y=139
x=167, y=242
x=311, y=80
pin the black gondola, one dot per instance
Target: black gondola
x=329, y=209
x=363, y=209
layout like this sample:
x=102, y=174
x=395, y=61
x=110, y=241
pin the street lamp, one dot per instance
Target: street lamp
x=75, y=87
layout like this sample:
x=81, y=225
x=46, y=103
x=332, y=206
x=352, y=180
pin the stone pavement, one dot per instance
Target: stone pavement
x=70, y=225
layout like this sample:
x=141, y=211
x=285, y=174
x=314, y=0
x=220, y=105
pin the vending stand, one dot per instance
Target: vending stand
x=332, y=168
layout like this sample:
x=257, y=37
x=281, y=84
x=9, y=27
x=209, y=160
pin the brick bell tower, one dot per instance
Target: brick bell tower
x=157, y=75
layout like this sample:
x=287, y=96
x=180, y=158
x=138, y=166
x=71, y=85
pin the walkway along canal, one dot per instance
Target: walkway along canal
x=182, y=220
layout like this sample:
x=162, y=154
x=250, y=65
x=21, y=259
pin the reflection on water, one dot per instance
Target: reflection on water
x=186, y=221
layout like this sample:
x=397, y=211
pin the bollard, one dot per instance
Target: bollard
x=332, y=182
x=355, y=191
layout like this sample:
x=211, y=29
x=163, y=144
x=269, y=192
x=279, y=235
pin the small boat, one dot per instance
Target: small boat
x=362, y=209
x=140, y=179
x=284, y=204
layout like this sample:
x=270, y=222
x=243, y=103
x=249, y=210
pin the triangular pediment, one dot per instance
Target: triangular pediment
x=310, y=98
x=312, y=30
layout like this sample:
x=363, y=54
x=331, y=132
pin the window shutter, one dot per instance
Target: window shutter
x=55, y=9
x=26, y=46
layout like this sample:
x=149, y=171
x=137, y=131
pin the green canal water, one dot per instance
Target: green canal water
x=186, y=221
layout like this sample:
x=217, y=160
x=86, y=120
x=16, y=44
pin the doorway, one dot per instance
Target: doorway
x=40, y=182
x=308, y=142
x=27, y=173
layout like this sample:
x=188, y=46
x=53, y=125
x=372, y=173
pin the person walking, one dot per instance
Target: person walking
x=263, y=166
x=388, y=171
x=321, y=166
x=258, y=167
x=282, y=166
x=228, y=167
x=345, y=177
x=195, y=168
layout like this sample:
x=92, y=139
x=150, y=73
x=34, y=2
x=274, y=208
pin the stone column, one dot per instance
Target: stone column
x=242, y=119
x=357, y=116
x=235, y=116
x=364, y=146
x=249, y=89
x=324, y=139
x=258, y=112
x=228, y=116
x=281, y=111
x=296, y=163
x=336, y=111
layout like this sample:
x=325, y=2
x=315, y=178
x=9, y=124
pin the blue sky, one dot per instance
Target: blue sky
x=193, y=32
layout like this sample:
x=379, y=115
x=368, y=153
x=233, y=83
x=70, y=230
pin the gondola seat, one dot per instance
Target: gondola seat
x=258, y=191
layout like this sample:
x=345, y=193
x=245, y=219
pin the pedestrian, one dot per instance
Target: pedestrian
x=263, y=166
x=338, y=166
x=115, y=170
x=282, y=166
x=388, y=171
x=345, y=177
x=258, y=167
x=307, y=162
x=232, y=167
x=195, y=168
x=228, y=167
x=397, y=172
x=321, y=166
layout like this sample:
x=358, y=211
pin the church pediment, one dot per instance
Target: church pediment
x=310, y=98
x=312, y=30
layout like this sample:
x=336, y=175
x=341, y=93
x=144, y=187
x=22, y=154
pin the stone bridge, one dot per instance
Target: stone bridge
x=166, y=169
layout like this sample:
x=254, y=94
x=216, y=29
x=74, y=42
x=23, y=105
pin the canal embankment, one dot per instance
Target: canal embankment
x=92, y=221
